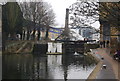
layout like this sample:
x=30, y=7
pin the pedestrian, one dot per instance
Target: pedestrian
x=107, y=43
x=104, y=44
x=117, y=54
x=101, y=43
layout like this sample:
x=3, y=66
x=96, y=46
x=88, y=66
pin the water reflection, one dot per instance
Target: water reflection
x=28, y=66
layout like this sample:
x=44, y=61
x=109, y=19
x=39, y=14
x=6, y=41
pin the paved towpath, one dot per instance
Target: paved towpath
x=112, y=71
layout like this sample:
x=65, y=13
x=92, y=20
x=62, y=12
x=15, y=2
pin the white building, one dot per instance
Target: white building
x=74, y=35
x=96, y=36
x=89, y=33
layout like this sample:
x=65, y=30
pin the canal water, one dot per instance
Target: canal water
x=30, y=66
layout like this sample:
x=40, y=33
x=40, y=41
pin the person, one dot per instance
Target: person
x=107, y=43
x=104, y=44
x=117, y=54
x=101, y=43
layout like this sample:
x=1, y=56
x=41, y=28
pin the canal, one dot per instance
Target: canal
x=30, y=66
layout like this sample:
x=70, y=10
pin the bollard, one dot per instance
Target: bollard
x=104, y=66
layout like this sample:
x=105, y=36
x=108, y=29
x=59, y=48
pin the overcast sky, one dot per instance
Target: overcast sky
x=59, y=7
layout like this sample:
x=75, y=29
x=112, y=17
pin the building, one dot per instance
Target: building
x=55, y=32
x=74, y=35
x=88, y=33
x=105, y=31
x=96, y=36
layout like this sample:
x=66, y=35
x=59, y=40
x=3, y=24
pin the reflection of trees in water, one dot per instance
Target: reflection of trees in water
x=69, y=59
x=15, y=66
x=36, y=67
x=24, y=67
x=90, y=60
x=39, y=67
x=85, y=61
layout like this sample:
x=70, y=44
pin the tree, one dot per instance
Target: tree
x=40, y=13
x=109, y=12
x=48, y=19
x=86, y=13
x=83, y=13
x=89, y=12
x=12, y=19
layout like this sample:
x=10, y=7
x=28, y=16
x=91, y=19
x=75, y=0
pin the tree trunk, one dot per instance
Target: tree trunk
x=118, y=40
x=33, y=35
x=28, y=34
x=20, y=36
x=38, y=35
x=4, y=37
x=47, y=33
x=23, y=35
x=119, y=36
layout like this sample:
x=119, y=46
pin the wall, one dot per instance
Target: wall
x=54, y=32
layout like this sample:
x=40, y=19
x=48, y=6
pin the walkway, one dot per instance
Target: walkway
x=111, y=72
x=0, y=65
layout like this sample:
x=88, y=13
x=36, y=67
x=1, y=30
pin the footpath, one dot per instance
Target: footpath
x=111, y=72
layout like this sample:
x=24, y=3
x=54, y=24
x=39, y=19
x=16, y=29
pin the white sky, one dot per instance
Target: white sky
x=59, y=8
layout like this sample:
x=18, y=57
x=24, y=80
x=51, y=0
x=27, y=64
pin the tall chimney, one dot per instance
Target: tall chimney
x=67, y=30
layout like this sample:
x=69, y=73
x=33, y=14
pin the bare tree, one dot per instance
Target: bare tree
x=40, y=13
x=89, y=12
x=83, y=13
x=46, y=17
x=109, y=12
